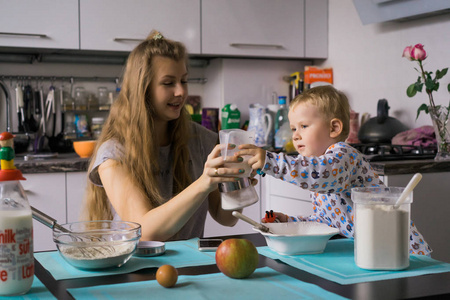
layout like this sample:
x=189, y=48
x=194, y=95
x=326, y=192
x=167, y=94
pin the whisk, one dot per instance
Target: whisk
x=91, y=249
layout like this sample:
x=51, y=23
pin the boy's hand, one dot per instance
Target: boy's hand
x=258, y=155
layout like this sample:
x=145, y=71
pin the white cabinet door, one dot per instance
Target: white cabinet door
x=118, y=25
x=287, y=198
x=39, y=24
x=46, y=192
x=263, y=28
x=76, y=188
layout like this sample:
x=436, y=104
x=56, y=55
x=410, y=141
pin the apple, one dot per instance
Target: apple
x=237, y=258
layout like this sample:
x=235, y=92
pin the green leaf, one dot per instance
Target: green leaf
x=430, y=85
x=411, y=90
x=440, y=74
x=448, y=87
x=424, y=108
x=418, y=87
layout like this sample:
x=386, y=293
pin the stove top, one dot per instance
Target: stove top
x=388, y=152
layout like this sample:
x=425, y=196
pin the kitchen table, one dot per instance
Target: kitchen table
x=432, y=286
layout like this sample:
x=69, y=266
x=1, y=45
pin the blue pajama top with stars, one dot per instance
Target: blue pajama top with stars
x=330, y=178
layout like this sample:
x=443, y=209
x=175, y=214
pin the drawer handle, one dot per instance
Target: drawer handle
x=127, y=40
x=24, y=34
x=244, y=45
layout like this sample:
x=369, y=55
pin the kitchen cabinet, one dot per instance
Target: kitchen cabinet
x=117, y=25
x=39, y=24
x=285, y=197
x=47, y=193
x=265, y=28
x=76, y=183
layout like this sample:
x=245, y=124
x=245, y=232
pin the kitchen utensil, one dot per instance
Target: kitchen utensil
x=382, y=232
x=52, y=223
x=409, y=188
x=19, y=106
x=295, y=238
x=150, y=248
x=257, y=225
x=382, y=128
x=28, y=99
x=59, y=143
x=93, y=244
x=261, y=123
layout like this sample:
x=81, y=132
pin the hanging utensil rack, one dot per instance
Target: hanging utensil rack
x=80, y=78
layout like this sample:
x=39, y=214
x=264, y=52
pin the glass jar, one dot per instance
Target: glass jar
x=16, y=232
x=92, y=102
x=70, y=131
x=80, y=98
x=97, y=126
x=103, y=99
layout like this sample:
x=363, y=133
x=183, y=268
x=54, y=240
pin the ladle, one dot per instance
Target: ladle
x=251, y=222
x=409, y=188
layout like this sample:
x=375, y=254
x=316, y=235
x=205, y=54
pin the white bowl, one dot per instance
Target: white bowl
x=294, y=238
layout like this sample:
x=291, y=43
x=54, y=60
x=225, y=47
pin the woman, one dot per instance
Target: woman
x=151, y=163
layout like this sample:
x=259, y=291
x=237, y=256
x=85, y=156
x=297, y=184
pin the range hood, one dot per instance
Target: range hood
x=378, y=11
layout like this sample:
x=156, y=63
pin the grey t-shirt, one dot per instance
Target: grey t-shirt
x=200, y=145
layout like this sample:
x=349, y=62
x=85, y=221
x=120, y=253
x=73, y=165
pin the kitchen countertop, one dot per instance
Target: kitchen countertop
x=65, y=162
x=410, y=166
x=71, y=162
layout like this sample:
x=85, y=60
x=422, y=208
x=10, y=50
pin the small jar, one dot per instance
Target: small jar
x=103, y=100
x=80, y=98
x=97, y=126
x=92, y=102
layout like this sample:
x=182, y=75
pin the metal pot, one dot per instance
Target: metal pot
x=382, y=128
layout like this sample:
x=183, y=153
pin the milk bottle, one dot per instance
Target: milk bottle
x=16, y=229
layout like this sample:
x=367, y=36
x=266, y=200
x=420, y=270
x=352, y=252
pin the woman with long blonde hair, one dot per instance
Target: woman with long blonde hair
x=152, y=165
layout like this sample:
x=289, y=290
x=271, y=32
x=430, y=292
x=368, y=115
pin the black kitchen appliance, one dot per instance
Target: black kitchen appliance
x=387, y=152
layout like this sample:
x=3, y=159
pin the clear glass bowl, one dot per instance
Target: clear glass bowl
x=97, y=244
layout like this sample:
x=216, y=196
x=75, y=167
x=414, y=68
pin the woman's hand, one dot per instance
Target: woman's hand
x=215, y=171
x=258, y=155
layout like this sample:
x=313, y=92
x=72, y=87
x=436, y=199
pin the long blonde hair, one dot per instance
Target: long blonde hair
x=131, y=123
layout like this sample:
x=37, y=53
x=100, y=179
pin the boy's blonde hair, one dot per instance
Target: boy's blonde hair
x=332, y=103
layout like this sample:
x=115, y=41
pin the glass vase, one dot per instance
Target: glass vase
x=440, y=118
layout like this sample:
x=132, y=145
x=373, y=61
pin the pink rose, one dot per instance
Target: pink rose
x=418, y=53
x=407, y=53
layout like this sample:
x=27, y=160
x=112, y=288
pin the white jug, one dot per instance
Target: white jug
x=261, y=124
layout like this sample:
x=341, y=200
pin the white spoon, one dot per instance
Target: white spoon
x=411, y=185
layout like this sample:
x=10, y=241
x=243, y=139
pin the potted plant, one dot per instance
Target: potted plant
x=439, y=113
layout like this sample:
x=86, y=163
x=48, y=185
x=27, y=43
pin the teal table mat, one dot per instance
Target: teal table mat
x=178, y=254
x=264, y=283
x=337, y=264
x=38, y=291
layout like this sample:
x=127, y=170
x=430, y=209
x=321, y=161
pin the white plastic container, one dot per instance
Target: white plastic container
x=236, y=195
x=16, y=240
x=381, y=231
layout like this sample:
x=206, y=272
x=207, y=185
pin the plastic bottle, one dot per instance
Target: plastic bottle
x=231, y=117
x=281, y=118
x=16, y=226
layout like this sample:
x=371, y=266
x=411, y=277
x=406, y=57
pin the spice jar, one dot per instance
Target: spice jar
x=80, y=98
x=103, y=100
x=97, y=126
